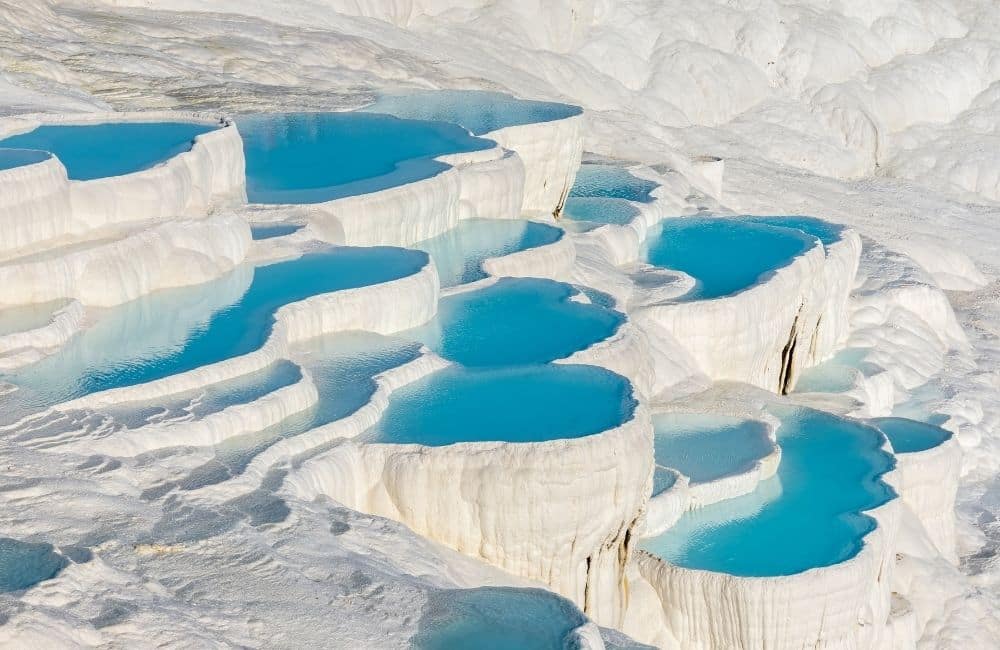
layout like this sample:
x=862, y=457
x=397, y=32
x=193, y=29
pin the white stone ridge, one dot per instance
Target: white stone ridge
x=43, y=208
x=19, y=349
x=104, y=273
x=561, y=512
x=553, y=261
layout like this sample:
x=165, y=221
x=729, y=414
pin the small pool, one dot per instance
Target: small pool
x=838, y=374
x=707, y=447
x=611, y=182
x=909, y=436
x=23, y=318
x=272, y=230
x=724, y=255
x=317, y=157
x=599, y=211
x=24, y=564
x=511, y=404
x=11, y=158
x=90, y=151
x=138, y=341
x=496, y=618
x=460, y=252
x=826, y=232
x=478, y=111
x=808, y=515
x=516, y=321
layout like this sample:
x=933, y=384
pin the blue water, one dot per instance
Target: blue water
x=908, y=436
x=460, y=252
x=516, y=321
x=708, y=447
x=826, y=232
x=599, y=210
x=514, y=404
x=664, y=478
x=316, y=157
x=496, y=618
x=808, y=515
x=10, y=158
x=611, y=182
x=478, y=111
x=270, y=231
x=838, y=374
x=723, y=255
x=24, y=564
x=90, y=151
x=137, y=342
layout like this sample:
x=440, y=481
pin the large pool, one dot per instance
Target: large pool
x=724, y=255
x=176, y=330
x=316, y=157
x=909, y=436
x=496, y=618
x=90, y=151
x=460, y=252
x=707, y=447
x=512, y=404
x=477, y=110
x=516, y=321
x=808, y=515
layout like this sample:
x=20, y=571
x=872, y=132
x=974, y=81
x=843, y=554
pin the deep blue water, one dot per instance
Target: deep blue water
x=137, y=342
x=806, y=516
x=708, y=447
x=516, y=321
x=496, y=618
x=270, y=231
x=90, y=151
x=724, y=255
x=316, y=157
x=24, y=564
x=611, y=182
x=908, y=436
x=460, y=252
x=10, y=158
x=478, y=111
x=511, y=404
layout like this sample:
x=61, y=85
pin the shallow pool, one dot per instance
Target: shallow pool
x=512, y=404
x=25, y=564
x=316, y=157
x=478, y=111
x=496, y=618
x=599, y=211
x=459, y=253
x=838, y=374
x=516, y=321
x=272, y=230
x=10, y=158
x=707, y=447
x=808, y=515
x=611, y=182
x=723, y=255
x=23, y=318
x=908, y=436
x=176, y=330
x=90, y=151
x=826, y=232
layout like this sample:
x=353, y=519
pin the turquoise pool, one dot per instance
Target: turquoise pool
x=516, y=321
x=272, y=230
x=707, y=447
x=11, y=158
x=316, y=157
x=90, y=151
x=478, y=111
x=25, y=564
x=826, y=232
x=611, y=182
x=808, y=515
x=724, y=255
x=176, y=330
x=460, y=252
x=909, y=436
x=511, y=404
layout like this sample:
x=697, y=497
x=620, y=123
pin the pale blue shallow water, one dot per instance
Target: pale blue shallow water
x=826, y=232
x=664, y=478
x=477, y=110
x=723, y=255
x=90, y=151
x=136, y=342
x=611, y=182
x=908, y=436
x=599, y=210
x=270, y=231
x=10, y=158
x=808, y=515
x=459, y=253
x=516, y=321
x=511, y=404
x=316, y=157
x=25, y=564
x=708, y=447
x=496, y=618
x=837, y=374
